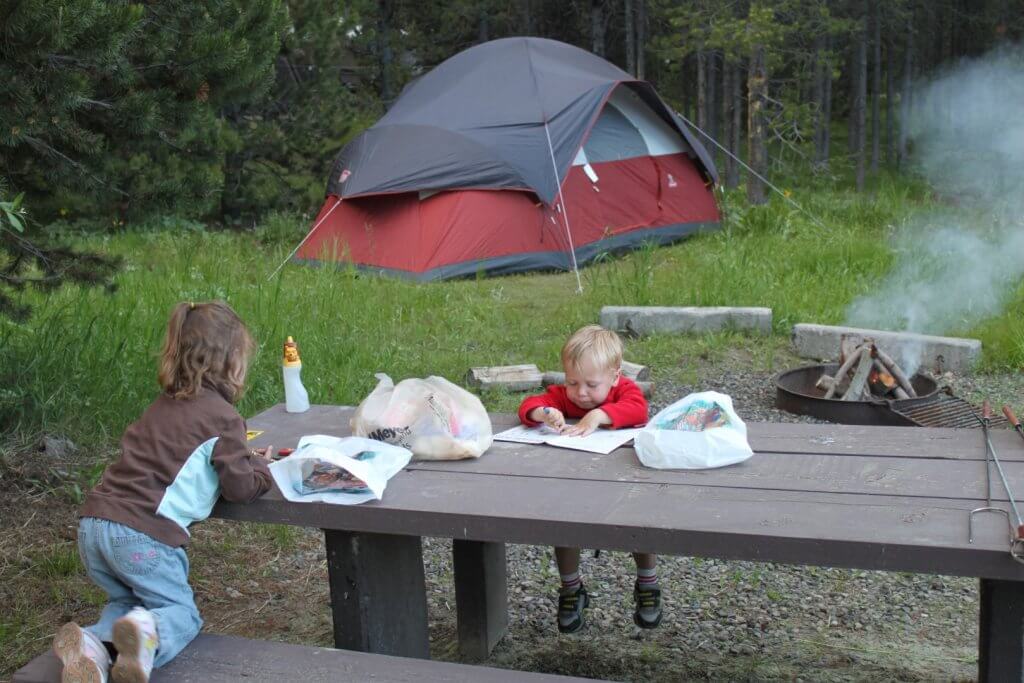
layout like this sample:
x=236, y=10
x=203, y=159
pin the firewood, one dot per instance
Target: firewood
x=635, y=371
x=843, y=369
x=848, y=346
x=510, y=377
x=860, y=377
x=825, y=382
x=897, y=372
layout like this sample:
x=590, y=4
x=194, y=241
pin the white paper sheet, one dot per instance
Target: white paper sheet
x=601, y=441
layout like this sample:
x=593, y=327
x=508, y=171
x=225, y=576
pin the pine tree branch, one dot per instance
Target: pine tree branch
x=42, y=146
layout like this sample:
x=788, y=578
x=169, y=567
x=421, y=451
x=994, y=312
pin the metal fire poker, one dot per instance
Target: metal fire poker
x=1016, y=532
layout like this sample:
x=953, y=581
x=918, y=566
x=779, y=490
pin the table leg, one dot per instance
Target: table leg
x=378, y=593
x=481, y=596
x=1001, y=631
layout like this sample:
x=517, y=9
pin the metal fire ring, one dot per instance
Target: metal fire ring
x=795, y=391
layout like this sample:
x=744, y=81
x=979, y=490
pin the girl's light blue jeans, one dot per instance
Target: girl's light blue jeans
x=138, y=571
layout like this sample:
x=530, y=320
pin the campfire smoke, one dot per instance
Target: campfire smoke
x=957, y=265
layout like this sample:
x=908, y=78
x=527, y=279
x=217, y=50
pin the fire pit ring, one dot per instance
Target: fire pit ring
x=795, y=392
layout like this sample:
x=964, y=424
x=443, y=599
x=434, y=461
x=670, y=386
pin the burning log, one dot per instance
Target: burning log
x=888, y=381
x=843, y=369
x=898, y=373
x=860, y=378
x=873, y=371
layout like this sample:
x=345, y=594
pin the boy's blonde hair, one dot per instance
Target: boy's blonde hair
x=206, y=343
x=601, y=346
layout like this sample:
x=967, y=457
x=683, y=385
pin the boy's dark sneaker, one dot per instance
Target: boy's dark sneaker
x=571, y=603
x=648, y=605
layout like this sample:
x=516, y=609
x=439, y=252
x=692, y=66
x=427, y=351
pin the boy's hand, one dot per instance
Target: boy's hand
x=591, y=421
x=552, y=417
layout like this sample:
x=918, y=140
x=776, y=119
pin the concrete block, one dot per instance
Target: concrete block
x=643, y=320
x=912, y=351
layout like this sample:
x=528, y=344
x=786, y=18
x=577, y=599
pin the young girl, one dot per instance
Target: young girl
x=187, y=449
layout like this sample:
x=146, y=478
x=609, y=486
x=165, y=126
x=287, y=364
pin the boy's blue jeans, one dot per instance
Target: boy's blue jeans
x=138, y=571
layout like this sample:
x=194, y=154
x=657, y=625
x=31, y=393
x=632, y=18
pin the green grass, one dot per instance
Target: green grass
x=85, y=362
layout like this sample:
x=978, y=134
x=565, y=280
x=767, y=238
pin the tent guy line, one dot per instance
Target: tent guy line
x=761, y=177
x=308, y=234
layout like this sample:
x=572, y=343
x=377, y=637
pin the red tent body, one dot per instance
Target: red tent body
x=462, y=232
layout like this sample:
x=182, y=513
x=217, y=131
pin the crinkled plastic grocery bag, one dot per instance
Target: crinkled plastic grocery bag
x=432, y=417
x=699, y=431
x=346, y=470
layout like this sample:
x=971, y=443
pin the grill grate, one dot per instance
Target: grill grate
x=943, y=410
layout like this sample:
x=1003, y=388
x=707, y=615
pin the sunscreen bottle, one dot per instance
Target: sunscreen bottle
x=296, y=400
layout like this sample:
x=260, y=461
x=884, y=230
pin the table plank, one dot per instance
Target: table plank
x=923, y=442
x=824, y=439
x=963, y=479
x=845, y=530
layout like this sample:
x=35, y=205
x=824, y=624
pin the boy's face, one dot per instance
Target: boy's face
x=588, y=385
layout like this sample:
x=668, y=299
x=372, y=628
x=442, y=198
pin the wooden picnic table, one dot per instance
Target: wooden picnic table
x=882, y=498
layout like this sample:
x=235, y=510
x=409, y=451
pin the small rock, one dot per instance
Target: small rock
x=57, y=447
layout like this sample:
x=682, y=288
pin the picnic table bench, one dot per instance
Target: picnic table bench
x=879, y=498
x=227, y=659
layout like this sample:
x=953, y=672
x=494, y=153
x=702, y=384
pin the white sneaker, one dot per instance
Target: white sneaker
x=136, y=641
x=84, y=657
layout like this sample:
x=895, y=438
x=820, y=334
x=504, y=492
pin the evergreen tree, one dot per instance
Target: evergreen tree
x=286, y=142
x=117, y=104
x=28, y=259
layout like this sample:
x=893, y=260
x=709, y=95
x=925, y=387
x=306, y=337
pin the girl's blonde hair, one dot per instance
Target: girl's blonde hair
x=596, y=343
x=206, y=343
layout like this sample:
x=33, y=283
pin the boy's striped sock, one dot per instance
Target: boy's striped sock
x=571, y=581
x=646, y=577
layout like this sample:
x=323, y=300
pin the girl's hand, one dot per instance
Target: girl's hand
x=590, y=422
x=264, y=453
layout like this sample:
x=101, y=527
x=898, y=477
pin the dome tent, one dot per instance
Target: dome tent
x=514, y=155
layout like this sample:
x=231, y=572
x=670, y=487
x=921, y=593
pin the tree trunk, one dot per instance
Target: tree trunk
x=860, y=102
x=851, y=139
x=726, y=108
x=384, y=50
x=597, y=27
x=757, y=154
x=529, y=26
x=737, y=123
x=876, y=84
x=713, y=116
x=702, y=90
x=641, y=37
x=826, y=133
x=630, y=37
x=818, y=96
x=906, y=94
x=482, y=28
x=890, y=138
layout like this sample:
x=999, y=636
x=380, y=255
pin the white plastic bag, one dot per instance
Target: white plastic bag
x=699, y=431
x=334, y=470
x=432, y=417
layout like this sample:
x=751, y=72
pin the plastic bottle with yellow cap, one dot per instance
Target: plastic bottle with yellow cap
x=296, y=400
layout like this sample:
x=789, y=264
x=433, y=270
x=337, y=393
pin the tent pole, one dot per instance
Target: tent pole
x=565, y=211
x=299, y=245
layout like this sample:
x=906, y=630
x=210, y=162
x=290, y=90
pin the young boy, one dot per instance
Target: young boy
x=595, y=392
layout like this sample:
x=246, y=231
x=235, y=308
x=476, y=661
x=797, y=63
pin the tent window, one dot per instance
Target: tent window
x=614, y=137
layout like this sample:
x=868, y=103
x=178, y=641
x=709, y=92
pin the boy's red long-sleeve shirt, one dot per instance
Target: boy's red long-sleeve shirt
x=625, y=405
